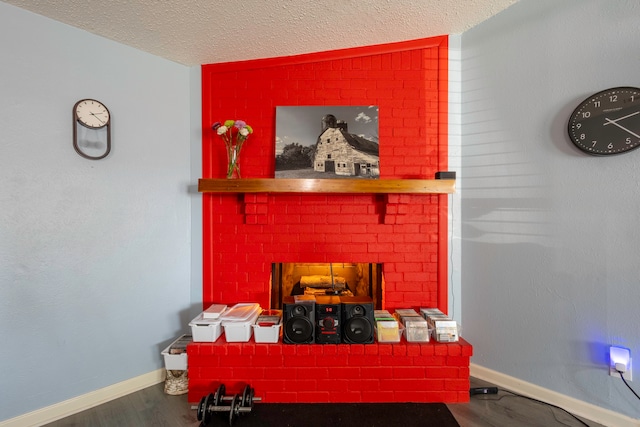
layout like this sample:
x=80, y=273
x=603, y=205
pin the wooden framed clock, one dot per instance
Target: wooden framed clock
x=91, y=129
x=607, y=122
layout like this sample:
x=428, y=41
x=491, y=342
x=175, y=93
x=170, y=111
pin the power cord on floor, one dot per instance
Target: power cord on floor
x=627, y=384
x=530, y=398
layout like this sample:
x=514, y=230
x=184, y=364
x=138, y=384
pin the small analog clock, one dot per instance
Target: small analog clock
x=91, y=113
x=91, y=129
x=607, y=122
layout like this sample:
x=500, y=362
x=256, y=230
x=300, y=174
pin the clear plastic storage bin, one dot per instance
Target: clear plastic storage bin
x=238, y=321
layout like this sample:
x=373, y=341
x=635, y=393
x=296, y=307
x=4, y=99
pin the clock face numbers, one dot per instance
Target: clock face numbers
x=91, y=113
x=607, y=122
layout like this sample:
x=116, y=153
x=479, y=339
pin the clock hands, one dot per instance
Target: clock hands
x=620, y=118
x=615, y=123
x=102, y=121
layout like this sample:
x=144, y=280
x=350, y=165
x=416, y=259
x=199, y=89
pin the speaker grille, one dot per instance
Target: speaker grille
x=299, y=330
x=358, y=330
x=357, y=320
x=299, y=322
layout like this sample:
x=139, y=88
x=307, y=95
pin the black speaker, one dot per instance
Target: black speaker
x=328, y=319
x=299, y=321
x=357, y=320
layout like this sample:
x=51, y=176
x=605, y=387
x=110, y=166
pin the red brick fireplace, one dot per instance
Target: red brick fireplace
x=244, y=234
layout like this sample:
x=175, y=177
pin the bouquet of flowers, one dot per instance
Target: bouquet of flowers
x=234, y=133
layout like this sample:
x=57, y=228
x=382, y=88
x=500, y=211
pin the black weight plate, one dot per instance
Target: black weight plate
x=201, y=407
x=217, y=401
x=206, y=412
x=233, y=412
x=251, y=394
x=246, y=397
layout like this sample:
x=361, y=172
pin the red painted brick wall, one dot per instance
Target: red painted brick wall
x=243, y=236
x=404, y=372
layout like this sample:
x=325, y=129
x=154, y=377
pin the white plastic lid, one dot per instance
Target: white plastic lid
x=214, y=311
x=200, y=320
x=240, y=312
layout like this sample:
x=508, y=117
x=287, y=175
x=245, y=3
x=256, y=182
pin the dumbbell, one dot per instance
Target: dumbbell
x=213, y=403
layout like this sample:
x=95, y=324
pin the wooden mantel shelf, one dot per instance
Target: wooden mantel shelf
x=381, y=186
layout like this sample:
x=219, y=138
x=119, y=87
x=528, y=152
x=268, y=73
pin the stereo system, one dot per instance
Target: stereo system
x=328, y=319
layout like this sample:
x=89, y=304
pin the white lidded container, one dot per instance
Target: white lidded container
x=205, y=330
x=237, y=321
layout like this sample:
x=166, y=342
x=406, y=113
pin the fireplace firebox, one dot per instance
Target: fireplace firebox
x=336, y=278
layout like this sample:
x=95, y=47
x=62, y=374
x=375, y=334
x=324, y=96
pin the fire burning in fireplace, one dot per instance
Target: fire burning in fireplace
x=338, y=278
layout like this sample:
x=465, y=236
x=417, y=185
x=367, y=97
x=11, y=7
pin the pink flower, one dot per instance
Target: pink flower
x=231, y=130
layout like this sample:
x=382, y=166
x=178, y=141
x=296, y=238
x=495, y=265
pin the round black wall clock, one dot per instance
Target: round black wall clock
x=607, y=122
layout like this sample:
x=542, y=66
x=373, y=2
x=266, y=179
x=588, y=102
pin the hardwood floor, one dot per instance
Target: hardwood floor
x=508, y=410
x=153, y=408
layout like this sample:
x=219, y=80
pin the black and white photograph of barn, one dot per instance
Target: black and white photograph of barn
x=327, y=142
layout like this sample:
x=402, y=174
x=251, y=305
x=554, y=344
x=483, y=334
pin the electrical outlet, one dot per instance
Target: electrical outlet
x=622, y=357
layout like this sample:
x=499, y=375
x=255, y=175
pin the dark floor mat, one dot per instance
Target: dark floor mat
x=342, y=414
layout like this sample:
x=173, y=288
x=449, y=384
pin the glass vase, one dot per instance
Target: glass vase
x=233, y=162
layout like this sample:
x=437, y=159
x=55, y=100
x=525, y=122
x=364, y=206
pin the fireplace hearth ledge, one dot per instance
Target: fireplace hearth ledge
x=325, y=373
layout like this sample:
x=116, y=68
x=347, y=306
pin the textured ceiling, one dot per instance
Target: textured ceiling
x=194, y=32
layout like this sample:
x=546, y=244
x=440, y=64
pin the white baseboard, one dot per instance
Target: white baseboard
x=575, y=406
x=86, y=401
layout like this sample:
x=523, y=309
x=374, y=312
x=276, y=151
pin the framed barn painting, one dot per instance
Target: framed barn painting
x=327, y=142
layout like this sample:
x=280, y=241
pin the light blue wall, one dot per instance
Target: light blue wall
x=100, y=267
x=95, y=256
x=550, y=236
